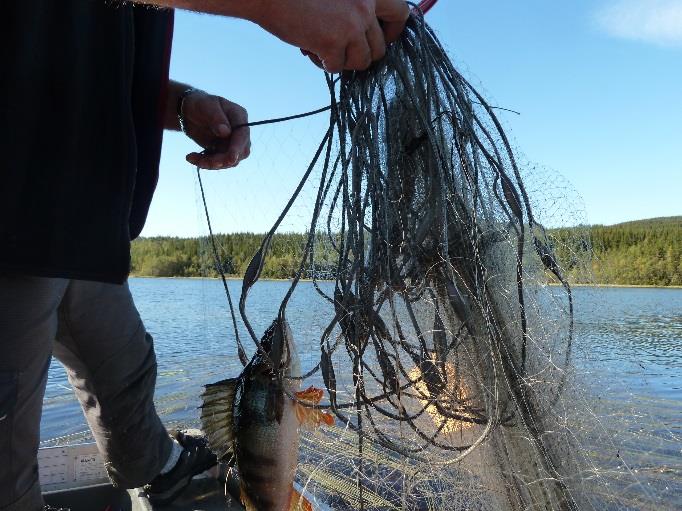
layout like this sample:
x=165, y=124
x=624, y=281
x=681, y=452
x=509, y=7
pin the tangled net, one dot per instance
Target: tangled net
x=444, y=358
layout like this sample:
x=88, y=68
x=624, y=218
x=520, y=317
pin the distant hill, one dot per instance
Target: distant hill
x=664, y=220
x=642, y=252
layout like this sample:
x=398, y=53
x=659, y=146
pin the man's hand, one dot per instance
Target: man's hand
x=338, y=34
x=210, y=121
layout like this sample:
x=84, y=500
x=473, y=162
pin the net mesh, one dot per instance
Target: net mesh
x=446, y=357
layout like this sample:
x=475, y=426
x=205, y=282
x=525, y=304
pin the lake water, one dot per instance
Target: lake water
x=628, y=361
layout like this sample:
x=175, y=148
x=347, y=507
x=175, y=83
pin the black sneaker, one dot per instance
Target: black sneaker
x=195, y=458
x=52, y=508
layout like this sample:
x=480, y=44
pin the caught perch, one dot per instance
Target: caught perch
x=253, y=419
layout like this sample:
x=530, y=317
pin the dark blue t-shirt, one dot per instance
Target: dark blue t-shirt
x=82, y=100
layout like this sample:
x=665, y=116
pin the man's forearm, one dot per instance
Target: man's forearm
x=245, y=9
x=341, y=34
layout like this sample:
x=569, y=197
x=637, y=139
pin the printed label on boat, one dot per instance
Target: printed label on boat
x=89, y=467
x=53, y=466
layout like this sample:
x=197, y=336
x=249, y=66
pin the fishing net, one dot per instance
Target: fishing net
x=445, y=356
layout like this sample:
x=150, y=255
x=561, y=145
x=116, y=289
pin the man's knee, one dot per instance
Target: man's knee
x=126, y=381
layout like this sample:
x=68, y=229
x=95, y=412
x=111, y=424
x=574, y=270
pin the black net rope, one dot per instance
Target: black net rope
x=421, y=201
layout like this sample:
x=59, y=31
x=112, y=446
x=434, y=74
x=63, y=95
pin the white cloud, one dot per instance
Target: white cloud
x=653, y=21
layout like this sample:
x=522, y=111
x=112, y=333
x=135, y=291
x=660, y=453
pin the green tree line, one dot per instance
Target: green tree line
x=194, y=257
x=645, y=252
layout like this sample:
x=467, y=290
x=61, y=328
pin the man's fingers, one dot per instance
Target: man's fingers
x=222, y=129
x=358, y=55
x=225, y=131
x=217, y=160
x=334, y=63
x=213, y=161
x=361, y=52
x=218, y=120
x=393, y=14
x=246, y=152
x=313, y=58
x=316, y=60
x=392, y=31
x=375, y=39
x=237, y=115
x=239, y=146
x=240, y=139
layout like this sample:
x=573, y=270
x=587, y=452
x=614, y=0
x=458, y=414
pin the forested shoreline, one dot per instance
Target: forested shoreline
x=644, y=252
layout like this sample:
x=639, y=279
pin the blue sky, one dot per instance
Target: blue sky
x=598, y=84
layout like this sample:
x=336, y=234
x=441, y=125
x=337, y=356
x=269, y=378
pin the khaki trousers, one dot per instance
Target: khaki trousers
x=95, y=330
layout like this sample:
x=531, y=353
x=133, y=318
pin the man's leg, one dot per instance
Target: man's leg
x=28, y=323
x=111, y=364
